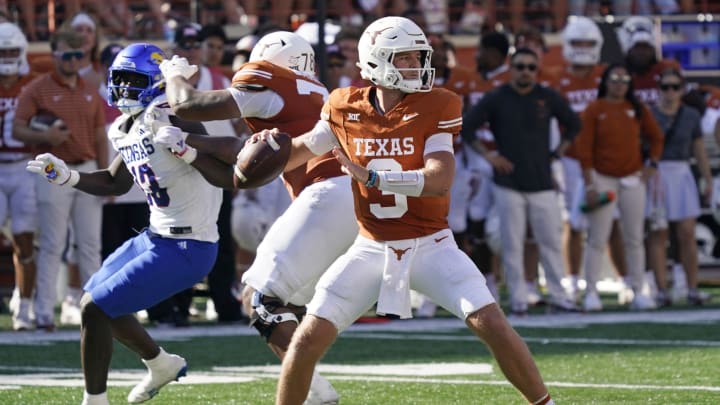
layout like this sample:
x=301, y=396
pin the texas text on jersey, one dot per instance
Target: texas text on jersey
x=394, y=141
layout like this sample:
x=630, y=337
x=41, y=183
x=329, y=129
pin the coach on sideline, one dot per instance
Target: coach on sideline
x=519, y=115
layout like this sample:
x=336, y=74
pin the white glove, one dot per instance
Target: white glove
x=174, y=139
x=155, y=118
x=177, y=66
x=53, y=169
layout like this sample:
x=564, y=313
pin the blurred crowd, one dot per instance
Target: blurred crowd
x=531, y=236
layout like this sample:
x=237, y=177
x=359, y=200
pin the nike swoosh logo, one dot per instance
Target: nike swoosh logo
x=408, y=117
x=438, y=240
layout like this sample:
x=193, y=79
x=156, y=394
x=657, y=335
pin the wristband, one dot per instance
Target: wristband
x=73, y=179
x=410, y=183
x=372, y=177
x=188, y=155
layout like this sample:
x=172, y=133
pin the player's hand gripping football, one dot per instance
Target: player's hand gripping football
x=174, y=139
x=177, y=66
x=53, y=169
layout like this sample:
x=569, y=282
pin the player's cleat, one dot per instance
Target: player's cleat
x=426, y=309
x=562, y=305
x=321, y=392
x=21, y=319
x=161, y=370
x=662, y=299
x=591, y=302
x=698, y=298
x=70, y=312
x=642, y=302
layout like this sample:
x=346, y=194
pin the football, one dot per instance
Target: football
x=42, y=120
x=260, y=162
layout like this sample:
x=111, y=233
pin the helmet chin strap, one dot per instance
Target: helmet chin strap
x=125, y=106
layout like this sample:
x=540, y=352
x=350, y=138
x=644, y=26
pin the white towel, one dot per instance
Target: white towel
x=394, y=297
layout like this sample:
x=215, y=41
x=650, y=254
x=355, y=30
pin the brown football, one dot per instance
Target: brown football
x=260, y=162
x=42, y=120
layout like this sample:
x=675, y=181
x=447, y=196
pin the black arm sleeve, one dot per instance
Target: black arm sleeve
x=567, y=118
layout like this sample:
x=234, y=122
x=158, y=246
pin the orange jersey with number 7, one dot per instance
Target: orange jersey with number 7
x=394, y=141
x=303, y=98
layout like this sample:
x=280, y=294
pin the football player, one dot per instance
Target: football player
x=18, y=200
x=638, y=42
x=176, y=251
x=395, y=138
x=578, y=82
x=277, y=89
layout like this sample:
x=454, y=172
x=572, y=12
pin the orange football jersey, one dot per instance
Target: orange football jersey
x=8, y=104
x=304, y=97
x=579, y=92
x=394, y=141
x=461, y=81
x=646, y=84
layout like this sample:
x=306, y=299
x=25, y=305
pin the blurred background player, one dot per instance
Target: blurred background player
x=277, y=88
x=18, y=202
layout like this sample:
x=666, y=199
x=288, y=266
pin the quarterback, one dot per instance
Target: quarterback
x=395, y=138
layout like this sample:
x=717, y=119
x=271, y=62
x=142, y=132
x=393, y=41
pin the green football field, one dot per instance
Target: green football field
x=616, y=357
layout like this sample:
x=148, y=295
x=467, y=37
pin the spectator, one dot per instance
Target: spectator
x=213, y=45
x=27, y=10
x=410, y=236
x=673, y=195
x=608, y=149
x=626, y=7
x=347, y=39
x=18, y=201
x=578, y=82
x=524, y=190
x=79, y=138
x=336, y=63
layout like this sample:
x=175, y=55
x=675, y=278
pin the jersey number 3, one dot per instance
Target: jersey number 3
x=401, y=203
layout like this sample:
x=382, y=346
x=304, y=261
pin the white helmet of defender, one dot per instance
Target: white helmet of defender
x=285, y=49
x=378, y=45
x=13, y=49
x=582, y=30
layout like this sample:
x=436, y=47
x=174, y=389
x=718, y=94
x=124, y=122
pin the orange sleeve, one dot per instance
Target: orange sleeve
x=652, y=132
x=583, y=143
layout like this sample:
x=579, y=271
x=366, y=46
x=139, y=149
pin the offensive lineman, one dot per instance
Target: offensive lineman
x=277, y=89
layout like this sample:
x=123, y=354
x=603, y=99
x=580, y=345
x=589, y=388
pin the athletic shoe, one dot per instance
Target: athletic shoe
x=70, y=313
x=696, y=297
x=625, y=295
x=321, y=392
x=161, y=370
x=591, y=302
x=662, y=299
x=642, y=302
x=21, y=318
x=562, y=305
x=426, y=309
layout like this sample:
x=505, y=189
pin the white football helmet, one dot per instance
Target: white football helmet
x=12, y=38
x=582, y=29
x=285, y=49
x=634, y=30
x=379, y=44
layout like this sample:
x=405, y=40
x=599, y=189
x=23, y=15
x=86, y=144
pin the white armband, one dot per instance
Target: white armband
x=409, y=182
x=320, y=139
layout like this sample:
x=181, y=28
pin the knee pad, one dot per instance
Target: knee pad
x=268, y=312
